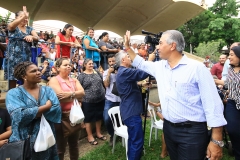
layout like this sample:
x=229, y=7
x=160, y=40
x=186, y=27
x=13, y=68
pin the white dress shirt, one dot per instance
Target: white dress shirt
x=187, y=92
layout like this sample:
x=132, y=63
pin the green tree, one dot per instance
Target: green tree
x=193, y=29
x=213, y=24
x=6, y=18
x=210, y=48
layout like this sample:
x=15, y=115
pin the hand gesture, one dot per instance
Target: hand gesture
x=127, y=39
x=26, y=14
x=214, y=152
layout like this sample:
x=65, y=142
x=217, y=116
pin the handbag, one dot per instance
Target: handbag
x=67, y=126
x=19, y=150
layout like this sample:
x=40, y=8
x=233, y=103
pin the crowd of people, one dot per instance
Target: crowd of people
x=73, y=69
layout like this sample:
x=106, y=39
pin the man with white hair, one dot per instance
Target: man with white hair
x=131, y=104
x=189, y=100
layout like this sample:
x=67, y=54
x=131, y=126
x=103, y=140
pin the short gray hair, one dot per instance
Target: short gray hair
x=119, y=56
x=177, y=37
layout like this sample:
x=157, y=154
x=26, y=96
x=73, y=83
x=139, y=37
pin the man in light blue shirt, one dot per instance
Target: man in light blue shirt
x=189, y=100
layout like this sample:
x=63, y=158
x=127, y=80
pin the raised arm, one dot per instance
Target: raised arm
x=13, y=25
x=130, y=52
x=86, y=42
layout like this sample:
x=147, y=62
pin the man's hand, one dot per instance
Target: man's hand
x=214, y=152
x=110, y=70
x=151, y=57
x=127, y=39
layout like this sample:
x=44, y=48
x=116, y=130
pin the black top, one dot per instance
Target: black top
x=93, y=87
x=5, y=120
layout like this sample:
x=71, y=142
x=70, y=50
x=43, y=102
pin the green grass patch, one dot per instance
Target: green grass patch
x=104, y=152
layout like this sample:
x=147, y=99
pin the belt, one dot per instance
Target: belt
x=187, y=124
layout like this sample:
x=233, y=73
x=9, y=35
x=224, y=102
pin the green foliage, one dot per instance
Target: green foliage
x=225, y=8
x=213, y=24
x=6, y=18
x=209, y=49
x=194, y=30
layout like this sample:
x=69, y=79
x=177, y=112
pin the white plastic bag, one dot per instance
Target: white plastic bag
x=76, y=114
x=45, y=138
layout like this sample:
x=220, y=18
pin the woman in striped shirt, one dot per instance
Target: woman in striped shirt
x=232, y=111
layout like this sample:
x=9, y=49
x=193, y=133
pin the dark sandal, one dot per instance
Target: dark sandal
x=94, y=142
x=103, y=138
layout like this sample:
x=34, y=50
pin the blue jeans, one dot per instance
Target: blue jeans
x=106, y=118
x=186, y=143
x=232, y=116
x=135, y=137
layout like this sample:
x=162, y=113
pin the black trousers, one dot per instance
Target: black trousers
x=186, y=143
x=233, y=122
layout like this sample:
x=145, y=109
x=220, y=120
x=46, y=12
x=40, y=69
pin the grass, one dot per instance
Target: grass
x=104, y=152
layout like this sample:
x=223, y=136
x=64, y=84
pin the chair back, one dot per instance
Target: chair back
x=114, y=114
x=152, y=113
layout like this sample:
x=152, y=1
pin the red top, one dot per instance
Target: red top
x=217, y=70
x=65, y=49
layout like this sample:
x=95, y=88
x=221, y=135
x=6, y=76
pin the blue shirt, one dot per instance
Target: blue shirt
x=187, y=92
x=126, y=81
x=92, y=54
x=225, y=69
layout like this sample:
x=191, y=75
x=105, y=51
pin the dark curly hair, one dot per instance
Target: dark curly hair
x=20, y=69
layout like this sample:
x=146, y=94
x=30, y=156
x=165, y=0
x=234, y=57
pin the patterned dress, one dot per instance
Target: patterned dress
x=18, y=51
x=23, y=108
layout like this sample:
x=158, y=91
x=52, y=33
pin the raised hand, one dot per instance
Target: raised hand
x=25, y=11
x=127, y=39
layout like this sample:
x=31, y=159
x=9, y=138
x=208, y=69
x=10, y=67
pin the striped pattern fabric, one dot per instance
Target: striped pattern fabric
x=233, y=83
x=187, y=92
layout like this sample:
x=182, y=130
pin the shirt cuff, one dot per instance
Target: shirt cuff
x=216, y=121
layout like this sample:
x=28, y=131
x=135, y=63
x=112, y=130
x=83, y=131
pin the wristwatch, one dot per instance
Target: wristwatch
x=219, y=143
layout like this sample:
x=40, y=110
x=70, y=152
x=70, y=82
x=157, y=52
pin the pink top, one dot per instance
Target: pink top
x=66, y=106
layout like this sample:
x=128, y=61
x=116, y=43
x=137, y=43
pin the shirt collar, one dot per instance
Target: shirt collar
x=183, y=61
